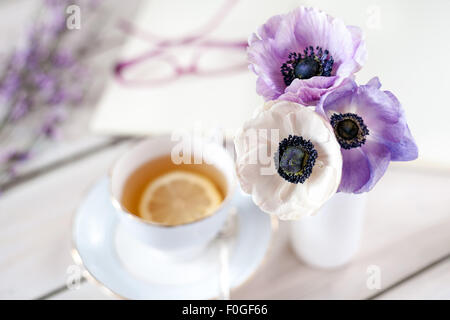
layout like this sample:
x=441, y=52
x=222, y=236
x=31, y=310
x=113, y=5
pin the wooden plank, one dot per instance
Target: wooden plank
x=75, y=138
x=80, y=154
x=433, y=283
x=35, y=226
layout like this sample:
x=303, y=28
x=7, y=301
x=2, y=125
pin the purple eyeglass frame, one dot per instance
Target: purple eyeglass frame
x=196, y=39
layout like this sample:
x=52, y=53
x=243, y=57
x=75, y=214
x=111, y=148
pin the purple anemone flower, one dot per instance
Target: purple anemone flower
x=370, y=125
x=304, y=54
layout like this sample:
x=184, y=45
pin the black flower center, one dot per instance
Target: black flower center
x=295, y=159
x=349, y=129
x=311, y=63
x=307, y=68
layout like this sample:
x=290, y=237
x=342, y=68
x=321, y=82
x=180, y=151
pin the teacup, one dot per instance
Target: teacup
x=185, y=238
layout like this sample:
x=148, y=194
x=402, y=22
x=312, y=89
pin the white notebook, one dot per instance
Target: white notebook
x=206, y=102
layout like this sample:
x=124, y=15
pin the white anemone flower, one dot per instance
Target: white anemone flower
x=288, y=160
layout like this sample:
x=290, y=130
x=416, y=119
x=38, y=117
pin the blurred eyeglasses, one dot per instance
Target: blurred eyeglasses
x=166, y=61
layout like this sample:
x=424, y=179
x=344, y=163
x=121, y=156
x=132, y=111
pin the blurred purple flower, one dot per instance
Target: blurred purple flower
x=57, y=97
x=41, y=79
x=63, y=59
x=10, y=85
x=49, y=128
x=19, y=156
x=370, y=125
x=14, y=156
x=304, y=54
x=20, y=109
x=57, y=20
x=11, y=160
x=32, y=57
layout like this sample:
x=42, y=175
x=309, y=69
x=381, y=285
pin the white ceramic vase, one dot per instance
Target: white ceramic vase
x=330, y=238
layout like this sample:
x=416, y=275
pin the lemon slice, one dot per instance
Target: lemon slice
x=179, y=197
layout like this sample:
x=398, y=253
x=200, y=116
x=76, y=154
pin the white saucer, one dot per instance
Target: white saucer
x=131, y=270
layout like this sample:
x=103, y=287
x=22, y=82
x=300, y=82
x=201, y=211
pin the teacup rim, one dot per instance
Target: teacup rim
x=123, y=211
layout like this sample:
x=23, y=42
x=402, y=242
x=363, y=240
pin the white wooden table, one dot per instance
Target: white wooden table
x=407, y=232
x=407, y=235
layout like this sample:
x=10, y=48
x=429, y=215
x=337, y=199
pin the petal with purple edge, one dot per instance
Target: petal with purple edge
x=386, y=120
x=270, y=28
x=405, y=148
x=266, y=89
x=378, y=156
x=266, y=63
x=374, y=82
x=316, y=28
x=306, y=92
x=360, y=55
x=355, y=170
x=375, y=107
x=339, y=100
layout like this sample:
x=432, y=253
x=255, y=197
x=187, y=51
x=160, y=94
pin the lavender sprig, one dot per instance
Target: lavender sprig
x=40, y=81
